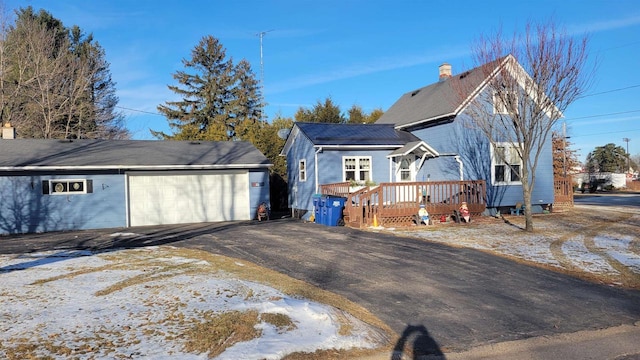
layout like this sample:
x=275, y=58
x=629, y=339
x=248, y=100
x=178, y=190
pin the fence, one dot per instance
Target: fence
x=562, y=193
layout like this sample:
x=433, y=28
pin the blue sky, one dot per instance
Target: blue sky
x=365, y=52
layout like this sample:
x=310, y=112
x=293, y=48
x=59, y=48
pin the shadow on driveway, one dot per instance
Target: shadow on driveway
x=464, y=297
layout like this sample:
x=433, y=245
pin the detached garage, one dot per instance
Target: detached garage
x=53, y=185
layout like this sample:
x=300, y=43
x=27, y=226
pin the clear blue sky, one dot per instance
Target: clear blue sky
x=365, y=52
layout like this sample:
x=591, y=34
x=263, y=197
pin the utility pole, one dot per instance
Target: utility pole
x=261, y=35
x=564, y=149
x=628, y=158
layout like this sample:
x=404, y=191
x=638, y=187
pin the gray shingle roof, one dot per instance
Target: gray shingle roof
x=435, y=101
x=127, y=154
x=355, y=134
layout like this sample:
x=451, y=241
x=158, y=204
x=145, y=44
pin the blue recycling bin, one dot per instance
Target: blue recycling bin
x=316, y=208
x=333, y=206
x=324, y=212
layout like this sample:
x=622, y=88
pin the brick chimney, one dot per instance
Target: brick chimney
x=8, y=131
x=445, y=71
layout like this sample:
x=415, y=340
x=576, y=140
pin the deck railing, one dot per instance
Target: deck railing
x=337, y=189
x=396, y=204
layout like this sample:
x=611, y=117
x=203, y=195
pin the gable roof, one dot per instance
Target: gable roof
x=39, y=154
x=443, y=99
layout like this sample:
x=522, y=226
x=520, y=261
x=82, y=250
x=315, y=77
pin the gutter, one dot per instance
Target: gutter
x=136, y=167
x=456, y=157
x=315, y=158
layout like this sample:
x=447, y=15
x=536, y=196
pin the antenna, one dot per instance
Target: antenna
x=261, y=35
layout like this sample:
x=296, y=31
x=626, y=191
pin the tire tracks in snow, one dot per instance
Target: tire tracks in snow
x=620, y=224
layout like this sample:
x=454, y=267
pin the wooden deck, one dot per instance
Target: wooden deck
x=396, y=204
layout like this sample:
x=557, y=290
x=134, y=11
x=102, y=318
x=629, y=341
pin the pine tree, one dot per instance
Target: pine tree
x=217, y=96
x=608, y=158
x=326, y=112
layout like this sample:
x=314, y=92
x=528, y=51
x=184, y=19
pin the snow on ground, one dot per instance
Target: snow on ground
x=139, y=303
x=597, y=243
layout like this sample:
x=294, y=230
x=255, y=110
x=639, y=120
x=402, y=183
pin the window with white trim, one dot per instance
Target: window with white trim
x=356, y=168
x=506, y=164
x=302, y=170
x=406, y=168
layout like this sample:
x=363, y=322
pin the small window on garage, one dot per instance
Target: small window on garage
x=302, y=170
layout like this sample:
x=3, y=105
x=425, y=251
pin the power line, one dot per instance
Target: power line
x=603, y=133
x=140, y=111
x=609, y=114
x=609, y=91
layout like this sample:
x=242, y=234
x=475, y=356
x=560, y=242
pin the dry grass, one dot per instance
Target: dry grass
x=282, y=322
x=219, y=331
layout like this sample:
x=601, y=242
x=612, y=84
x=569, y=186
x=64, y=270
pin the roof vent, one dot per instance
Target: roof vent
x=415, y=92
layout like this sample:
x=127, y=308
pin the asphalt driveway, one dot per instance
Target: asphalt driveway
x=463, y=297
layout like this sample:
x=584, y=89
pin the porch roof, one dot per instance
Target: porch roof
x=419, y=148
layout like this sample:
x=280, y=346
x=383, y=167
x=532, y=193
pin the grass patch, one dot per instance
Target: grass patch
x=219, y=331
x=282, y=322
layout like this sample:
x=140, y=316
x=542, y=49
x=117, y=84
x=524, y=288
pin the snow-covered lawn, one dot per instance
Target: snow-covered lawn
x=143, y=303
x=596, y=242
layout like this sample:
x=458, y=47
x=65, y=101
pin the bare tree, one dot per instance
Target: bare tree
x=55, y=81
x=530, y=80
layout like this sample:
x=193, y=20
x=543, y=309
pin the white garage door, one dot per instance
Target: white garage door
x=178, y=198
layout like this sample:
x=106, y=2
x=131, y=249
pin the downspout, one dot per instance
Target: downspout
x=390, y=169
x=315, y=158
x=457, y=158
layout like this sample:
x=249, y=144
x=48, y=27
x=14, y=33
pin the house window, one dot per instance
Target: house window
x=506, y=165
x=356, y=168
x=504, y=102
x=406, y=169
x=302, y=170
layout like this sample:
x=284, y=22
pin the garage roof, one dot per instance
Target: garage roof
x=39, y=154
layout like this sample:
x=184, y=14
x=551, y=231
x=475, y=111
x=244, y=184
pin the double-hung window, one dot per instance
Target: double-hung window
x=406, y=168
x=356, y=168
x=302, y=170
x=506, y=164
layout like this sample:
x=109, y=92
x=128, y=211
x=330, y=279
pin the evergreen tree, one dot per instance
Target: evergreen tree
x=218, y=97
x=608, y=158
x=358, y=116
x=326, y=112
